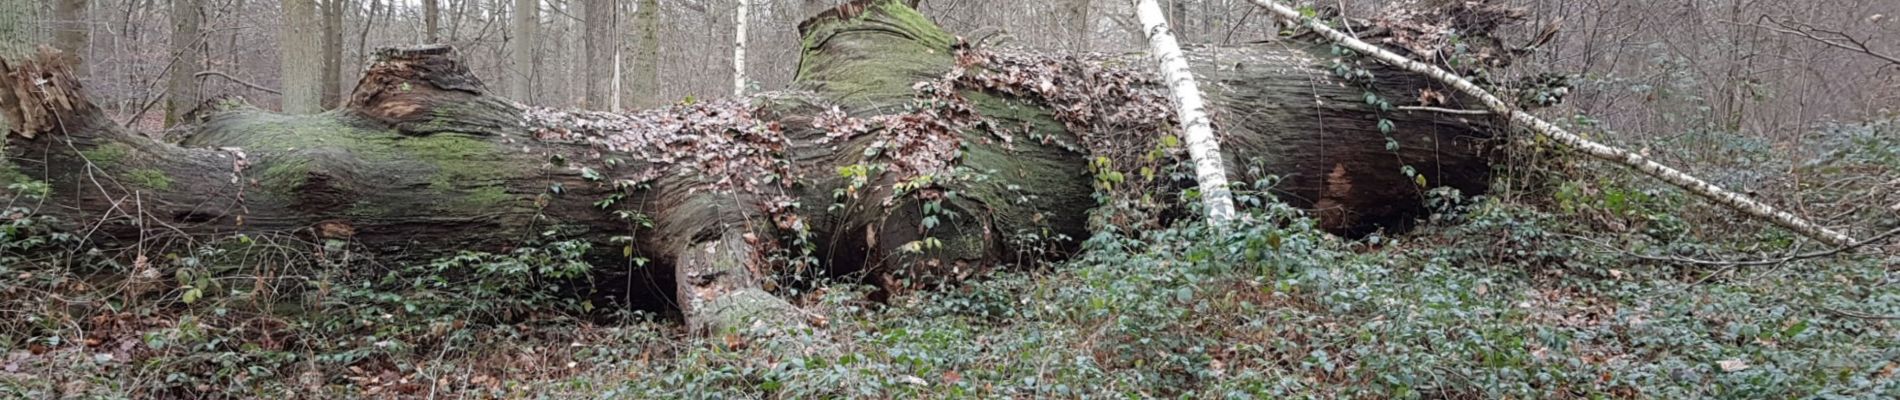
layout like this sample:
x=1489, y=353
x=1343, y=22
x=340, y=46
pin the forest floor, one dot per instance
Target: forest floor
x=1573, y=280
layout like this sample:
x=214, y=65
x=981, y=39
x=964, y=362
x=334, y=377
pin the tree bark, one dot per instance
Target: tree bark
x=834, y=174
x=17, y=18
x=431, y=21
x=738, y=48
x=527, y=38
x=598, y=43
x=300, y=59
x=646, y=60
x=183, y=87
x=73, y=31
x=332, y=47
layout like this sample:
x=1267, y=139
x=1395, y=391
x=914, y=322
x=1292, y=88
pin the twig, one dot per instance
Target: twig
x=1852, y=314
x=1443, y=110
x=1840, y=40
x=1796, y=257
x=236, y=80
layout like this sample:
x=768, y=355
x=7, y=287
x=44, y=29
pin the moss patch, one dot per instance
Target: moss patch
x=148, y=178
x=875, y=55
x=108, y=154
x=284, y=177
x=460, y=168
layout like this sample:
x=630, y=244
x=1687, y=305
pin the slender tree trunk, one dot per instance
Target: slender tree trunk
x=738, y=50
x=527, y=38
x=646, y=60
x=183, y=88
x=73, y=32
x=597, y=44
x=617, y=88
x=1632, y=160
x=362, y=37
x=1180, y=18
x=431, y=21
x=1202, y=145
x=333, y=52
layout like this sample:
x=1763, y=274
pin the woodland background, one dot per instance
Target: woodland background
x=1642, y=66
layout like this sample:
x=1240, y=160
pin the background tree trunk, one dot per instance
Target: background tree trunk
x=332, y=44
x=527, y=27
x=73, y=31
x=17, y=18
x=598, y=43
x=183, y=88
x=301, y=60
x=646, y=61
x=431, y=21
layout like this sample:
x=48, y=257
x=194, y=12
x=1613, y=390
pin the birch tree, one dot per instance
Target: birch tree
x=738, y=51
x=1626, y=158
x=1203, y=147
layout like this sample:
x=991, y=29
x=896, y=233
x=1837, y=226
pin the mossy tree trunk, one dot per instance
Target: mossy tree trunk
x=423, y=159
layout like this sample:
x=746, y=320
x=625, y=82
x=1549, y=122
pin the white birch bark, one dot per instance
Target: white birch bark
x=616, y=83
x=1203, y=147
x=1556, y=133
x=738, y=51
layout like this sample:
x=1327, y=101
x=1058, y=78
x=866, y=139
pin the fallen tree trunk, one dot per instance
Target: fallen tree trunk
x=899, y=151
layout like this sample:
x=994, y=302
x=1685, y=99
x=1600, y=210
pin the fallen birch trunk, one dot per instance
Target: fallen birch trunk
x=1203, y=148
x=1697, y=186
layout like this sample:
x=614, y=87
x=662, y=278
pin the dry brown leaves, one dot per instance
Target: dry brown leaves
x=1428, y=29
x=720, y=140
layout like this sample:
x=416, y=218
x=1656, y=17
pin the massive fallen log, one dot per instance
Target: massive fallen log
x=898, y=150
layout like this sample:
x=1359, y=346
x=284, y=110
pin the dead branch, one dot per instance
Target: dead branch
x=234, y=79
x=1831, y=38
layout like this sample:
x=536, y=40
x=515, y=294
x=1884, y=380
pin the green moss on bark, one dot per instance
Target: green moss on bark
x=893, y=47
x=148, y=178
x=107, y=155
